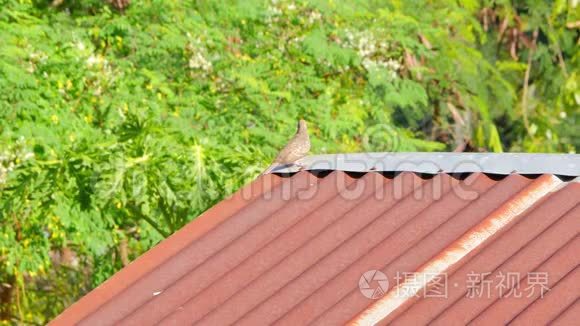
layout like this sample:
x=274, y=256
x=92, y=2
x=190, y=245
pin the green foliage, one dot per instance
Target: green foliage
x=117, y=128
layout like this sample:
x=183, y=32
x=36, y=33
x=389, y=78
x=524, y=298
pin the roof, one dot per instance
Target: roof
x=296, y=248
x=435, y=162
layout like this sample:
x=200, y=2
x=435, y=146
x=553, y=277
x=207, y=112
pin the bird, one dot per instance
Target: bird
x=296, y=149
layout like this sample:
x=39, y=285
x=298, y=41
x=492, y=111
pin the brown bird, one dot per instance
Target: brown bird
x=296, y=149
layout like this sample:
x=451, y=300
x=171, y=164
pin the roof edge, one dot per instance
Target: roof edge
x=437, y=162
x=164, y=250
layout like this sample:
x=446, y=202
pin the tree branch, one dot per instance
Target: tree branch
x=156, y=226
x=526, y=83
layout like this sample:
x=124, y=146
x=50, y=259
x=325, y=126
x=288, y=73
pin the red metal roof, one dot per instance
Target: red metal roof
x=292, y=250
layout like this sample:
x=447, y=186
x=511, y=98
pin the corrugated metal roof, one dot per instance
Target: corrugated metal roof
x=291, y=250
x=498, y=163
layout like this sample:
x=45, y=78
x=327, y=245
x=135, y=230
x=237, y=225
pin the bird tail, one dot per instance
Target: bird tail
x=270, y=168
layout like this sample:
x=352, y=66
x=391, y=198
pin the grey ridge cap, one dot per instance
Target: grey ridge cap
x=434, y=162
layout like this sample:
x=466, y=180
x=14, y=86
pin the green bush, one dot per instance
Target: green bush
x=118, y=127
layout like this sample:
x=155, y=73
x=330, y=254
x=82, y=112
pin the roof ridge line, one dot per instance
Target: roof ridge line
x=437, y=162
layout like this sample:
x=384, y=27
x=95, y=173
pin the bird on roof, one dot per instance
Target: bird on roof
x=295, y=150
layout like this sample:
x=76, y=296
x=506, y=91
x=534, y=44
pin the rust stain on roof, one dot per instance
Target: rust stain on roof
x=458, y=250
x=291, y=250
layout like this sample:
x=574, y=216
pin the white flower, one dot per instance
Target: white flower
x=392, y=64
x=274, y=11
x=368, y=63
x=198, y=61
x=314, y=16
x=92, y=60
x=97, y=60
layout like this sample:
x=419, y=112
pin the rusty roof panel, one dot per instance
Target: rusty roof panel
x=569, y=316
x=435, y=241
x=505, y=310
x=563, y=294
x=292, y=249
x=535, y=228
x=365, y=249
